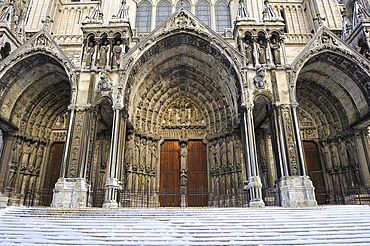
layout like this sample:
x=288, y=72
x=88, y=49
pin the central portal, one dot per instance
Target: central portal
x=183, y=183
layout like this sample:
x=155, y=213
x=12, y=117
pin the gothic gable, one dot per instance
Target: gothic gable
x=326, y=40
x=41, y=42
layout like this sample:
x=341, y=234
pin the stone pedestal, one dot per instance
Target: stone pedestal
x=297, y=191
x=255, y=190
x=70, y=193
x=111, y=189
x=3, y=200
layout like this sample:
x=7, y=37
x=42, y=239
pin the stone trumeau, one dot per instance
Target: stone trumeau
x=122, y=102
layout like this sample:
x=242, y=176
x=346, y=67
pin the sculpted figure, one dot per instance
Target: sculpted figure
x=136, y=152
x=16, y=152
x=262, y=52
x=183, y=155
x=26, y=156
x=154, y=154
x=211, y=156
x=259, y=79
x=183, y=178
x=148, y=154
x=343, y=154
x=327, y=157
x=143, y=152
x=275, y=49
x=89, y=54
x=230, y=151
x=351, y=148
x=103, y=54
x=38, y=159
x=117, y=49
x=262, y=154
x=335, y=156
x=130, y=146
x=217, y=154
x=223, y=151
x=248, y=46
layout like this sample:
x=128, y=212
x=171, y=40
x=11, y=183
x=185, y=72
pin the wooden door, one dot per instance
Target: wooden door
x=314, y=169
x=170, y=174
x=52, y=171
x=197, y=174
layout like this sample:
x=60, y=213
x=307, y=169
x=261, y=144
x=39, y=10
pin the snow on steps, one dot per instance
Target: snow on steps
x=328, y=225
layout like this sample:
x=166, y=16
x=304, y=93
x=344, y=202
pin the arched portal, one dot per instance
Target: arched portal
x=333, y=114
x=34, y=98
x=184, y=89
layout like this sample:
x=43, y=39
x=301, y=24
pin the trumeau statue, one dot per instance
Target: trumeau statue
x=183, y=155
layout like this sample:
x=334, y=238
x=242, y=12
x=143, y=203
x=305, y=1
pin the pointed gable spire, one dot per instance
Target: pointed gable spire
x=122, y=14
x=268, y=13
x=359, y=14
x=7, y=17
x=243, y=13
x=346, y=25
x=96, y=16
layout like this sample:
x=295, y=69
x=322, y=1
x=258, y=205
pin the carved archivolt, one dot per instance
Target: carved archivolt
x=326, y=42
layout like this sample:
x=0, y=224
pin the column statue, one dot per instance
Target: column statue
x=262, y=154
x=16, y=153
x=143, y=153
x=230, y=151
x=154, y=155
x=262, y=52
x=223, y=152
x=89, y=54
x=248, y=46
x=335, y=156
x=327, y=157
x=103, y=54
x=26, y=156
x=130, y=147
x=343, y=154
x=275, y=50
x=352, y=153
x=117, y=49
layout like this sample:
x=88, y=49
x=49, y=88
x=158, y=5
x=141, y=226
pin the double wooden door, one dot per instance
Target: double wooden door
x=196, y=171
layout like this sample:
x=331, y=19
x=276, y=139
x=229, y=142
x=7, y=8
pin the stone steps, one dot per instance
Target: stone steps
x=328, y=225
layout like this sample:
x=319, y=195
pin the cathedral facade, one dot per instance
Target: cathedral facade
x=108, y=98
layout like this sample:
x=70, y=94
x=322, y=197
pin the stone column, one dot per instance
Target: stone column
x=282, y=44
x=299, y=141
x=254, y=181
x=295, y=190
x=362, y=152
x=83, y=47
x=269, y=51
x=115, y=161
x=183, y=176
x=71, y=189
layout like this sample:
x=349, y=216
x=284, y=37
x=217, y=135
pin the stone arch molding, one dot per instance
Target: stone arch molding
x=41, y=43
x=182, y=29
x=326, y=41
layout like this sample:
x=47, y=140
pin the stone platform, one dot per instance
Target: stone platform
x=322, y=225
